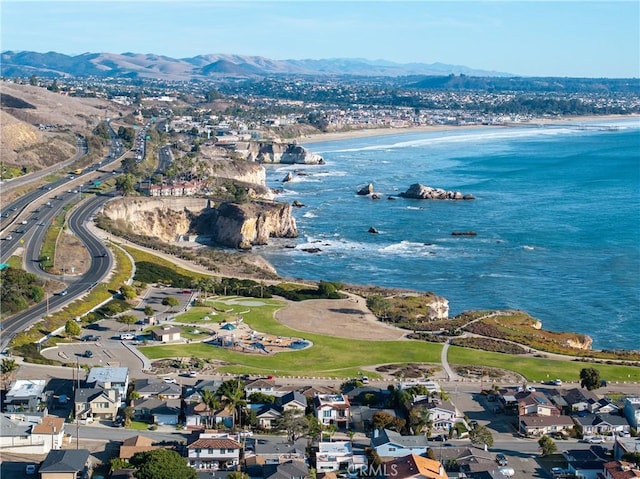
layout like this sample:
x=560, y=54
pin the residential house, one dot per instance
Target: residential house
x=153, y=387
x=166, y=334
x=110, y=378
x=605, y=405
x=601, y=424
x=194, y=393
x=263, y=386
x=26, y=395
x=414, y=467
x=579, y=399
x=391, y=444
x=50, y=432
x=535, y=425
x=310, y=392
x=276, y=450
x=198, y=415
x=213, y=451
x=631, y=410
x=286, y=470
x=620, y=470
x=157, y=411
x=338, y=455
x=468, y=459
x=135, y=444
x=332, y=409
x=96, y=403
x=267, y=416
x=535, y=403
x=443, y=414
x=292, y=401
x=17, y=437
x=625, y=445
x=65, y=464
x=583, y=463
x=367, y=395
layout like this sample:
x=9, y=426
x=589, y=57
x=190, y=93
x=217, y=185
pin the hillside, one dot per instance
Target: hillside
x=24, y=108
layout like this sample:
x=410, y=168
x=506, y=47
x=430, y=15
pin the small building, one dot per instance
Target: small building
x=96, y=403
x=414, y=467
x=153, y=387
x=157, y=411
x=264, y=386
x=213, y=451
x=336, y=456
x=391, y=444
x=631, y=410
x=535, y=425
x=50, y=432
x=286, y=470
x=65, y=464
x=110, y=378
x=620, y=470
x=135, y=444
x=166, y=334
x=332, y=409
x=25, y=395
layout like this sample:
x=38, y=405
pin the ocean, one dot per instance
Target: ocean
x=556, y=216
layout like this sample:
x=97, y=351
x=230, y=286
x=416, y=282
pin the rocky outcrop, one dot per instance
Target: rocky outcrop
x=373, y=230
x=228, y=224
x=580, y=342
x=289, y=177
x=274, y=152
x=244, y=225
x=422, y=192
x=366, y=190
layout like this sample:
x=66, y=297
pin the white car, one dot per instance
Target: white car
x=169, y=380
x=595, y=440
x=127, y=336
x=193, y=374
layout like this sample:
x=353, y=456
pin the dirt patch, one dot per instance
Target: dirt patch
x=344, y=318
x=71, y=256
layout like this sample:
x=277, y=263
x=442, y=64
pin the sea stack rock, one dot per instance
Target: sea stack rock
x=289, y=177
x=422, y=192
x=367, y=190
x=297, y=204
x=373, y=230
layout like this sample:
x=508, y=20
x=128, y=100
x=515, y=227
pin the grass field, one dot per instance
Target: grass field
x=540, y=369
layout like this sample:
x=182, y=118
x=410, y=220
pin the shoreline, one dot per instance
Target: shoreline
x=387, y=131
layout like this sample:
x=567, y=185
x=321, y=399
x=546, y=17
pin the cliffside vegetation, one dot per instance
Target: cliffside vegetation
x=19, y=290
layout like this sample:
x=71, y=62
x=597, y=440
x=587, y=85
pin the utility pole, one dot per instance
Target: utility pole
x=74, y=404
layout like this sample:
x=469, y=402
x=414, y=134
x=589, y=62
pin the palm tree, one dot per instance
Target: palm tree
x=212, y=402
x=231, y=393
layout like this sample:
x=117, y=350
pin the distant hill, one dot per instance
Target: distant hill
x=130, y=65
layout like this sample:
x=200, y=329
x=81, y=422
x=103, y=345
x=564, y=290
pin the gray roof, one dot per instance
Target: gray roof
x=286, y=470
x=89, y=394
x=14, y=428
x=291, y=396
x=278, y=445
x=387, y=436
x=158, y=406
x=108, y=375
x=157, y=387
x=65, y=460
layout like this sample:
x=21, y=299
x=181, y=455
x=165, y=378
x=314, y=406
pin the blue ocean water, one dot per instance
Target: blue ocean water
x=557, y=217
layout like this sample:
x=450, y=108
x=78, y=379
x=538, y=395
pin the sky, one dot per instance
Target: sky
x=529, y=38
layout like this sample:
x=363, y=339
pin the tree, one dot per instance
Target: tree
x=590, y=378
x=71, y=328
x=128, y=292
x=231, y=392
x=162, y=464
x=212, y=402
x=381, y=419
x=171, y=302
x=7, y=366
x=127, y=319
x=261, y=398
x=293, y=423
x=33, y=80
x=480, y=436
x=237, y=475
x=547, y=445
x=128, y=413
x=126, y=184
x=149, y=311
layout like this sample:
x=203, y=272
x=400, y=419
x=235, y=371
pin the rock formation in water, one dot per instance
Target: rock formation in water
x=422, y=192
x=275, y=152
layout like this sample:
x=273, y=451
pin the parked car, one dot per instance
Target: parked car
x=124, y=336
x=193, y=374
x=557, y=382
x=88, y=353
x=595, y=440
x=169, y=380
x=501, y=459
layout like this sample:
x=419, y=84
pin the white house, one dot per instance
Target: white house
x=50, y=432
x=332, y=409
x=337, y=455
x=25, y=395
x=213, y=451
x=388, y=443
x=443, y=414
x=263, y=386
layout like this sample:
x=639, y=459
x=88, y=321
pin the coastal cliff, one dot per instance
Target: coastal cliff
x=228, y=224
x=275, y=152
x=244, y=225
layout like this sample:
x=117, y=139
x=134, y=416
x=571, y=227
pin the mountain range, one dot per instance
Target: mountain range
x=148, y=65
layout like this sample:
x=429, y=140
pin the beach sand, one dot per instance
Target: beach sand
x=535, y=122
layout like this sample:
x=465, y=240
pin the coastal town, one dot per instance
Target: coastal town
x=128, y=347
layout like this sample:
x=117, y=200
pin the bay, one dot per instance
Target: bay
x=556, y=217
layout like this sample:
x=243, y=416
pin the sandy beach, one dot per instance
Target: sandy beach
x=535, y=122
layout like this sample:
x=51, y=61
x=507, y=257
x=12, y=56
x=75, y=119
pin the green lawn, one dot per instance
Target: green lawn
x=329, y=356
x=540, y=369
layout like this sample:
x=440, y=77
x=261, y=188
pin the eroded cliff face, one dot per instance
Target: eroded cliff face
x=244, y=225
x=164, y=218
x=229, y=224
x=580, y=342
x=274, y=152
